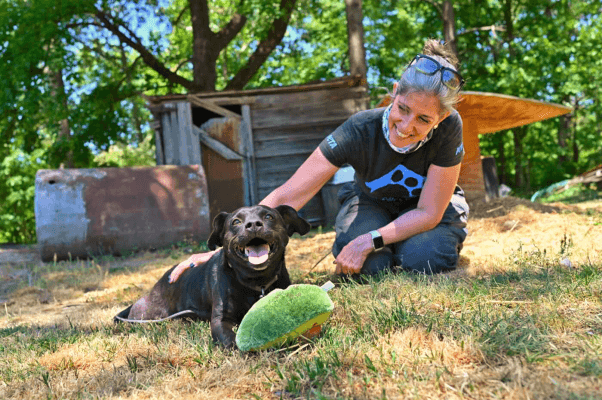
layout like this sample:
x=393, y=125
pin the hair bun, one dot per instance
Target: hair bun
x=434, y=47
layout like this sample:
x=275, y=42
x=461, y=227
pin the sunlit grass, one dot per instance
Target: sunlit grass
x=520, y=324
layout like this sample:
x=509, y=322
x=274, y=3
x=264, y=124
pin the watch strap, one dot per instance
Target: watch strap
x=377, y=240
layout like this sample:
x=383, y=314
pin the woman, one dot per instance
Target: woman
x=404, y=207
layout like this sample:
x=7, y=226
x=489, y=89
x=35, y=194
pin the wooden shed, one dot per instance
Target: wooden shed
x=250, y=142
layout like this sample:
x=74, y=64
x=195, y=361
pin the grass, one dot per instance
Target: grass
x=518, y=325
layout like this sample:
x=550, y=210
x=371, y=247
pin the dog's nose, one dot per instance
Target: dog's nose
x=253, y=225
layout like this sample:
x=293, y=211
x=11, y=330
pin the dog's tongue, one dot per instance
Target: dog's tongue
x=257, y=254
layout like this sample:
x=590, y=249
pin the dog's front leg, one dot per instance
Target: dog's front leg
x=222, y=331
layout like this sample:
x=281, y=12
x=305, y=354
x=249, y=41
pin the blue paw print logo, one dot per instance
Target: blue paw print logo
x=401, y=176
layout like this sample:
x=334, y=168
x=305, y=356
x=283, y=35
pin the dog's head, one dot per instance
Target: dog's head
x=256, y=236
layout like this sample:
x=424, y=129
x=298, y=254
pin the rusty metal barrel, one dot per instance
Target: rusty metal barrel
x=87, y=212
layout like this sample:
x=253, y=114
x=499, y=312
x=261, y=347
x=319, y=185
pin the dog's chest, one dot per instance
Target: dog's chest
x=251, y=299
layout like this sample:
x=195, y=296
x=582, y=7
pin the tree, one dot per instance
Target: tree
x=543, y=53
x=74, y=73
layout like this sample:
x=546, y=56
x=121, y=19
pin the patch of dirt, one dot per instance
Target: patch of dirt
x=502, y=206
x=14, y=254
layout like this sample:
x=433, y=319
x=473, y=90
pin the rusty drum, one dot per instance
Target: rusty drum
x=84, y=212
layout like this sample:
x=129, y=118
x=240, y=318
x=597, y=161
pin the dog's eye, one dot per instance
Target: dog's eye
x=269, y=216
x=236, y=222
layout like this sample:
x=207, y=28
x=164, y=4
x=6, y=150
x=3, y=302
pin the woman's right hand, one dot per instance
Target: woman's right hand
x=192, y=261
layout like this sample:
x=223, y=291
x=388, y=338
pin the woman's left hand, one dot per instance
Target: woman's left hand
x=351, y=259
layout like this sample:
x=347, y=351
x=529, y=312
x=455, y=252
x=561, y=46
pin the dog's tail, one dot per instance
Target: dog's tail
x=122, y=317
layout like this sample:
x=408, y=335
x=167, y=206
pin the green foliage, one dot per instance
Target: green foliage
x=60, y=66
x=125, y=155
x=551, y=59
x=17, y=189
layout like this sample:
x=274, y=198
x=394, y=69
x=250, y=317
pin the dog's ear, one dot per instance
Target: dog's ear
x=294, y=223
x=216, y=239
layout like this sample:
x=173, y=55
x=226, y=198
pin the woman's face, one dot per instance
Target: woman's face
x=412, y=117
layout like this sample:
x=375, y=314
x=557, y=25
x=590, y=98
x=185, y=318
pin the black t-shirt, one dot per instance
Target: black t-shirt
x=381, y=172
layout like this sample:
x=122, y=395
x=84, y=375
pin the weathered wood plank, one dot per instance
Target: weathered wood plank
x=158, y=128
x=211, y=106
x=175, y=136
x=248, y=151
x=193, y=145
x=342, y=82
x=290, y=146
x=184, y=133
x=285, y=132
x=216, y=145
x=318, y=113
x=168, y=141
x=274, y=171
x=288, y=100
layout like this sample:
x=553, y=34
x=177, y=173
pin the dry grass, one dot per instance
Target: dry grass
x=512, y=322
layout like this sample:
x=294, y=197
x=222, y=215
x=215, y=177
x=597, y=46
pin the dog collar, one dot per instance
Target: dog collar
x=264, y=287
x=261, y=288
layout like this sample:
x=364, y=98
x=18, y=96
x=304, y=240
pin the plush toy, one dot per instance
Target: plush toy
x=283, y=315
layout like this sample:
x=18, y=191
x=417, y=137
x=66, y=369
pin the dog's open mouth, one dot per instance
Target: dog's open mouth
x=256, y=251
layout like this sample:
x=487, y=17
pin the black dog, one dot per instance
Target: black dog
x=250, y=265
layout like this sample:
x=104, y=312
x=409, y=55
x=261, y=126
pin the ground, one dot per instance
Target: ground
x=57, y=330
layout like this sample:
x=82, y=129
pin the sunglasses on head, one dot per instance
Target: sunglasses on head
x=429, y=66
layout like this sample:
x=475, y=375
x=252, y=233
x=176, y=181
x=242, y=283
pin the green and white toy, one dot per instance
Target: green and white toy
x=283, y=315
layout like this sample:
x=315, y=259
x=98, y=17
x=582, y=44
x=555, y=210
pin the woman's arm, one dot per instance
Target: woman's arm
x=434, y=199
x=304, y=184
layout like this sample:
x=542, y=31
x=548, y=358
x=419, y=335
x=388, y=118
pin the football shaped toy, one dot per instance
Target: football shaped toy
x=283, y=315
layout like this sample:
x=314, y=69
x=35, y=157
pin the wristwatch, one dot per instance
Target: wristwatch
x=377, y=240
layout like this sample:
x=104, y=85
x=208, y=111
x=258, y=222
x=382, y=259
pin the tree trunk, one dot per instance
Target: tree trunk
x=204, y=50
x=501, y=158
x=509, y=26
x=136, y=113
x=355, y=37
x=58, y=89
x=528, y=174
x=264, y=48
x=449, y=25
x=574, y=132
x=518, y=134
x=564, y=132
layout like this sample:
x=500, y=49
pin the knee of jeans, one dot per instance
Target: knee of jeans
x=431, y=259
x=433, y=264
x=377, y=262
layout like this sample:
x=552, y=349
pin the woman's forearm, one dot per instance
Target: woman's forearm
x=288, y=195
x=304, y=184
x=434, y=199
x=409, y=224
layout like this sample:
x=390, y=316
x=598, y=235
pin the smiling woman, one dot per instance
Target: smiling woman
x=404, y=208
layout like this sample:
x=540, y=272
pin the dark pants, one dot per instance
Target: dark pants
x=429, y=252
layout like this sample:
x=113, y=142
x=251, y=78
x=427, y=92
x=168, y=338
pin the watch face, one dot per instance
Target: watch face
x=378, y=243
x=377, y=240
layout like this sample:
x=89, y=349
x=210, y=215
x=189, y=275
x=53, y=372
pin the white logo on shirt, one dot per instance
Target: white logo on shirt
x=331, y=141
